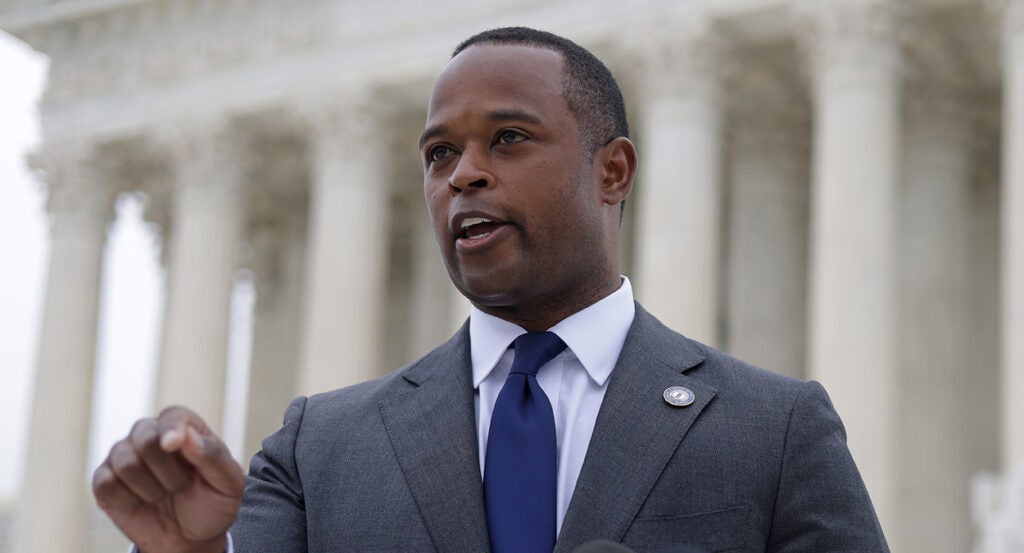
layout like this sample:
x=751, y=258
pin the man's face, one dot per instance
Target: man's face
x=511, y=193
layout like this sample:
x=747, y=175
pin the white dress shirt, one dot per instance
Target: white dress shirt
x=574, y=381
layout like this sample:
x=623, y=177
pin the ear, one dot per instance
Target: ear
x=616, y=170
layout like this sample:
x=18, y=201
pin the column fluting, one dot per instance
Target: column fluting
x=53, y=504
x=856, y=59
x=206, y=229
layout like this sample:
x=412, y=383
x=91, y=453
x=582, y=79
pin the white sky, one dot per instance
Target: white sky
x=129, y=319
x=22, y=250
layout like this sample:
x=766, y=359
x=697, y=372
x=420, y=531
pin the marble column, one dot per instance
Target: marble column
x=280, y=279
x=856, y=62
x=934, y=301
x=348, y=231
x=53, y=504
x=984, y=386
x=206, y=228
x=998, y=499
x=435, y=314
x=767, y=251
x=1012, y=284
x=679, y=204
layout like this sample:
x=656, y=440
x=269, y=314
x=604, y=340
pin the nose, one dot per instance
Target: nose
x=471, y=172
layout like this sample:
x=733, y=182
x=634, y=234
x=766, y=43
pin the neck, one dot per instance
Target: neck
x=540, y=315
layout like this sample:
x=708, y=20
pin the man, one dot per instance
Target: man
x=636, y=434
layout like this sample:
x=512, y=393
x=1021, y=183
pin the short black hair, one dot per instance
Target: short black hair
x=587, y=85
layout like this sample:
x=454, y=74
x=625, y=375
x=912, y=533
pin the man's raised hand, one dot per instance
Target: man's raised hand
x=171, y=485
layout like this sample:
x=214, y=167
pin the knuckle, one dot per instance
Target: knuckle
x=114, y=449
x=170, y=411
x=124, y=462
x=142, y=426
x=103, y=481
x=174, y=415
x=144, y=434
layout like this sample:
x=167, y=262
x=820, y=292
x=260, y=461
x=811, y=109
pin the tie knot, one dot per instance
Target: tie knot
x=533, y=349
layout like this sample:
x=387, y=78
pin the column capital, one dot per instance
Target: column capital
x=185, y=136
x=948, y=113
x=277, y=208
x=768, y=111
x=340, y=119
x=76, y=184
x=934, y=64
x=844, y=33
x=271, y=238
x=205, y=151
x=278, y=168
x=680, y=53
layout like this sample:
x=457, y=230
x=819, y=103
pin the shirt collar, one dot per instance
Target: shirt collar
x=594, y=334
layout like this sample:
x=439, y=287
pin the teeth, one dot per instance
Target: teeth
x=470, y=221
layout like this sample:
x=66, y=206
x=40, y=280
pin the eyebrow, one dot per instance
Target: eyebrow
x=499, y=116
x=431, y=132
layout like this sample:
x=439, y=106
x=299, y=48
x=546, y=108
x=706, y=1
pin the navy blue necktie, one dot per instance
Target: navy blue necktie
x=521, y=464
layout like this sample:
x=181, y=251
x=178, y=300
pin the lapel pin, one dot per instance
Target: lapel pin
x=678, y=396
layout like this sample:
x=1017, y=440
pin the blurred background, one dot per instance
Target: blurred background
x=219, y=203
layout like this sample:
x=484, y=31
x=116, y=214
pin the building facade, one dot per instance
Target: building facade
x=832, y=189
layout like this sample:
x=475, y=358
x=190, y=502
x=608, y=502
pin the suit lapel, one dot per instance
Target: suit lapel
x=432, y=429
x=636, y=432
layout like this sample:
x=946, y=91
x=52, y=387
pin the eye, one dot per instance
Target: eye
x=439, y=152
x=509, y=136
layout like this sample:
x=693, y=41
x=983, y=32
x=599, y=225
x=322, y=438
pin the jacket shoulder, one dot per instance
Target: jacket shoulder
x=706, y=363
x=366, y=396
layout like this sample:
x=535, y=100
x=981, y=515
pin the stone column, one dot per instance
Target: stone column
x=767, y=252
x=998, y=500
x=679, y=205
x=347, y=245
x=433, y=311
x=438, y=308
x=1012, y=319
x=206, y=227
x=856, y=72
x=280, y=246
x=53, y=502
x=992, y=495
x=934, y=301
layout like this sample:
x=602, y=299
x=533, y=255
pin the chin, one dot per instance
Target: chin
x=487, y=296
x=492, y=290
x=482, y=281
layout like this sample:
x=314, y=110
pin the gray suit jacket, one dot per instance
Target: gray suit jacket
x=757, y=463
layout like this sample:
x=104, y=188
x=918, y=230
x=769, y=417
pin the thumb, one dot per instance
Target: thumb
x=183, y=431
x=213, y=461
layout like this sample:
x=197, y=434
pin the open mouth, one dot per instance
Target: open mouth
x=473, y=228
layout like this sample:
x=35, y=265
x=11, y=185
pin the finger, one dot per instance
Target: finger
x=111, y=494
x=169, y=469
x=212, y=459
x=182, y=430
x=129, y=468
x=172, y=424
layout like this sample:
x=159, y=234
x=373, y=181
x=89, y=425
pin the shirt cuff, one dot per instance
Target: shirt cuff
x=230, y=548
